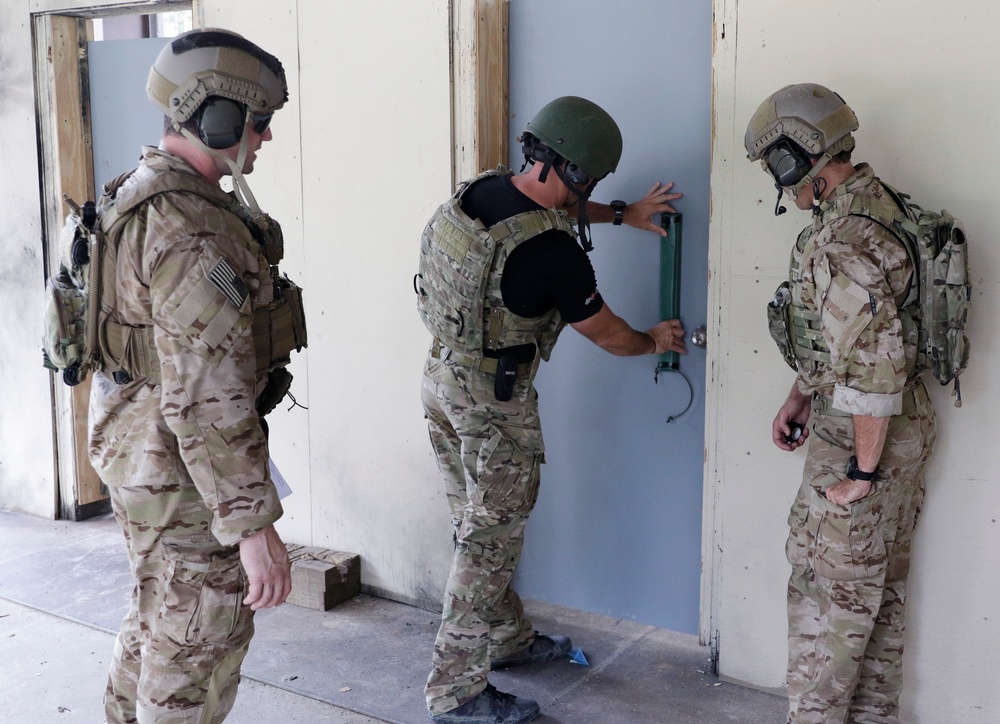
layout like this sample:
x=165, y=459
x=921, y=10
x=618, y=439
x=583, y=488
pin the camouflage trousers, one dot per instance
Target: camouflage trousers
x=178, y=654
x=489, y=453
x=847, y=591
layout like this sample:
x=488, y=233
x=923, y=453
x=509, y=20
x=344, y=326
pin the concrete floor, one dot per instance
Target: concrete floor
x=64, y=589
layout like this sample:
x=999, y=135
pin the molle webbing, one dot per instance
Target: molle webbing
x=807, y=337
x=807, y=340
x=279, y=327
x=502, y=328
x=461, y=265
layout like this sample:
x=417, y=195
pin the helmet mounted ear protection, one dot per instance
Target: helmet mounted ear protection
x=220, y=122
x=787, y=163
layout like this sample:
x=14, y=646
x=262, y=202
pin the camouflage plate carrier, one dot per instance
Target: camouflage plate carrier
x=458, y=282
x=82, y=332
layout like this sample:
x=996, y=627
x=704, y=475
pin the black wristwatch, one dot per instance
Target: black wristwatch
x=854, y=474
x=619, y=208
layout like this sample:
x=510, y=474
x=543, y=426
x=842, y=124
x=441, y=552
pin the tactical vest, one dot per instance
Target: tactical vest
x=458, y=282
x=794, y=327
x=278, y=327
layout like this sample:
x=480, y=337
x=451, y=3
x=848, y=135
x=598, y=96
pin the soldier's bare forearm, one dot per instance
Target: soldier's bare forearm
x=869, y=439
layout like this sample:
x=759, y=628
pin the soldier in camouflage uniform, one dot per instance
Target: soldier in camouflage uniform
x=177, y=438
x=840, y=323
x=501, y=273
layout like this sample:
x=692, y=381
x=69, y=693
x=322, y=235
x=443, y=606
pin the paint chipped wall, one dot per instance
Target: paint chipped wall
x=923, y=84
x=26, y=445
x=361, y=156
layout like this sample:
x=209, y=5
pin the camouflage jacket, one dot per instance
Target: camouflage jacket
x=193, y=271
x=851, y=273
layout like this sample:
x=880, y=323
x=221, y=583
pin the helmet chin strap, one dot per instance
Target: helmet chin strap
x=240, y=187
x=582, y=222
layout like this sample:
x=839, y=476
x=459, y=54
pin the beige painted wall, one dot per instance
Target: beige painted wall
x=923, y=83
x=26, y=445
x=361, y=157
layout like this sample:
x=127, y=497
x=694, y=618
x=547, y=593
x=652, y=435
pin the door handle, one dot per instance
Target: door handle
x=699, y=337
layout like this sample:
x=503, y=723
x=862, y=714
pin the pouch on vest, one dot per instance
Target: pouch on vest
x=779, y=323
x=67, y=342
x=280, y=327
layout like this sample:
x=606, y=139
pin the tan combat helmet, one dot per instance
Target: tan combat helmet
x=212, y=62
x=796, y=125
x=223, y=83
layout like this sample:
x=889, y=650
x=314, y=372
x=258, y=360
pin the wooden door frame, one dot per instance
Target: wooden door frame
x=62, y=91
x=480, y=86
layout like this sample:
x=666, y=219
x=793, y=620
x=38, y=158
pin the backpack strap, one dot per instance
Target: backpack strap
x=896, y=219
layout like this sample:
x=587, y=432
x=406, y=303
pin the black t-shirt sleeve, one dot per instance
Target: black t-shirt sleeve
x=546, y=271
x=551, y=270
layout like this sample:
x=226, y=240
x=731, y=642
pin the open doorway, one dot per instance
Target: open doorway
x=80, y=139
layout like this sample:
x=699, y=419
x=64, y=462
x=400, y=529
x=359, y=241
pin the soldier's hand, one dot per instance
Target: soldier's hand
x=669, y=337
x=848, y=491
x=796, y=409
x=265, y=559
x=639, y=213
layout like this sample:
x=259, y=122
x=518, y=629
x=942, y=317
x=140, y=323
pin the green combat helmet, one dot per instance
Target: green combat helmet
x=580, y=141
x=212, y=84
x=795, y=126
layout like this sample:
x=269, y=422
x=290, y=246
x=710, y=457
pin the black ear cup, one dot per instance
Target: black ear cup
x=220, y=122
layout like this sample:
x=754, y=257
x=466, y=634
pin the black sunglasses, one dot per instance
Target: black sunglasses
x=261, y=121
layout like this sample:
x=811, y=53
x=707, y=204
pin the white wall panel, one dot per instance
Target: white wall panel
x=360, y=159
x=923, y=84
x=27, y=474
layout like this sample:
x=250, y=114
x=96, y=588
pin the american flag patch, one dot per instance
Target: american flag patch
x=229, y=283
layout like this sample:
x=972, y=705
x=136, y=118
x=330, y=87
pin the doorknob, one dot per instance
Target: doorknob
x=699, y=337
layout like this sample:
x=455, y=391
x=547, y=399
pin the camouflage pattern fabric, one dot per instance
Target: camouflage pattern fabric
x=489, y=453
x=847, y=591
x=849, y=275
x=178, y=654
x=186, y=460
x=460, y=298
x=855, y=353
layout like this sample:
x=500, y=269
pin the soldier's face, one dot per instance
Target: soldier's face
x=254, y=141
x=804, y=198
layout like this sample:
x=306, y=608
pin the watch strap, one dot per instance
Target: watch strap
x=619, y=208
x=855, y=474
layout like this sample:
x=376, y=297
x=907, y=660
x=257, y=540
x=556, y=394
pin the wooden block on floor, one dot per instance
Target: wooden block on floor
x=322, y=578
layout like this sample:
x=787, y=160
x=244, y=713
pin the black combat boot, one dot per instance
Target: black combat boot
x=491, y=707
x=543, y=648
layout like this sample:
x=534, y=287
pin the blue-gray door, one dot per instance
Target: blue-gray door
x=617, y=529
x=122, y=118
